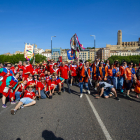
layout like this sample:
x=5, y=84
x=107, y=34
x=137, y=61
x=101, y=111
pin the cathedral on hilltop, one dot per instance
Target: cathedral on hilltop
x=122, y=46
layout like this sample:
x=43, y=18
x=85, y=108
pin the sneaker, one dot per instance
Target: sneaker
x=121, y=90
x=22, y=106
x=128, y=96
x=59, y=93
x=81, y=95
x=117, y=98
x=13, y=111
x=50, y=97
x=4, y=106
x=69, y=92
x=88, y=91
x=112, y=93
x=13, y=102
x=37, y=98
x=70, y=84
x=124, y=95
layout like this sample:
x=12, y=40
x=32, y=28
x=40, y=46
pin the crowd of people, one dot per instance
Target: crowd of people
x=24, y=83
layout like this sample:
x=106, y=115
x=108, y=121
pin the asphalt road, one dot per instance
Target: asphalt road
x=67, y=117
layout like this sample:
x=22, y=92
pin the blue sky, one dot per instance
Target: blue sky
x=35, y=21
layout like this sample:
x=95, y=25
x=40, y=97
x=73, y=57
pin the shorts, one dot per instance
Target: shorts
x=26, y=100
x=107, y=92
x=128, y=84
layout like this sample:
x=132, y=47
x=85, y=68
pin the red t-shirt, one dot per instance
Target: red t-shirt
x=20, y=67
x=73, y=69
x=51, y=68
x=41, y=85
x=25, y=70
x=56, y=71
x=29, y=94
x=21, y=86
x=34, y=71
x=51, y=84
x=64, y=71
x=30, y=82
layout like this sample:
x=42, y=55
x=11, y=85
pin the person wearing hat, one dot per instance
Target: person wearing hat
x=27, y=100
x=34, y=70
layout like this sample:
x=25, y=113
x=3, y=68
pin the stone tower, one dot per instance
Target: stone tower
x=119, y=38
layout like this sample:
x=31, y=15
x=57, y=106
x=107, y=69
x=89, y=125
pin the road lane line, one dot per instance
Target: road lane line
x=106, y=133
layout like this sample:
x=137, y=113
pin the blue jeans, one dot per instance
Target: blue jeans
x=112, y=80
x=17, y=95
x=117, y=82
x=81, y=87
x=43, y=95
x=121, y=82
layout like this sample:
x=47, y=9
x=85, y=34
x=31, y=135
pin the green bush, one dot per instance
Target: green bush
x=134, y=59
x=20, y=57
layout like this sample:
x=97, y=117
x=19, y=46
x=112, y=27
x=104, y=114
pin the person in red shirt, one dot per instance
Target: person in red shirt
x=21, y=75
x=27, y=100
x=26, y=70
x=20, y=89
x=12, y=67
x=30, y=80
x=64, y=73
x=20, y=65
x=41, y=70
x=73, y=71
x=42, y=88
x=51, y=66
x=51, y=86
x=55, y=69
x=30, y=65
x=34, y=70
x=48, y=77
x=15, y=70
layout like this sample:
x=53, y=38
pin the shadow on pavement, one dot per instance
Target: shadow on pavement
x=49, y=135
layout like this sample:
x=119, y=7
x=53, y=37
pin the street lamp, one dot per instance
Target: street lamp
x=51, y=44
x=94, y=46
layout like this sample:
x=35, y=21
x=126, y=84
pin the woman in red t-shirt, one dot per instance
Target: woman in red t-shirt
x=51, y=86
x=42, y=88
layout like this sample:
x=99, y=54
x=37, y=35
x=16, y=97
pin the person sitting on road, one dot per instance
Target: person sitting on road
x=105, y=90
x=20, y=89
x=51, y=86
x=27, y=100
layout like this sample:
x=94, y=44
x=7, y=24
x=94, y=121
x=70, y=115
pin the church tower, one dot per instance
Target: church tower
x=119, y=35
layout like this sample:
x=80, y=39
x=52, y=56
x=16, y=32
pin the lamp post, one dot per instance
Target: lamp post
x=51, y=44
x=94, y=46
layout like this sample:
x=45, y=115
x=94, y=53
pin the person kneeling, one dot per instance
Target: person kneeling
x=105, y=89
x=27, y=100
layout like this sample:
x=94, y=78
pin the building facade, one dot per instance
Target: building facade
x=124, y=53
x=132, y=46
x=103, y=53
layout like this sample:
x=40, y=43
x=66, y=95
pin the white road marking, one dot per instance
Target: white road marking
x=106, y=133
